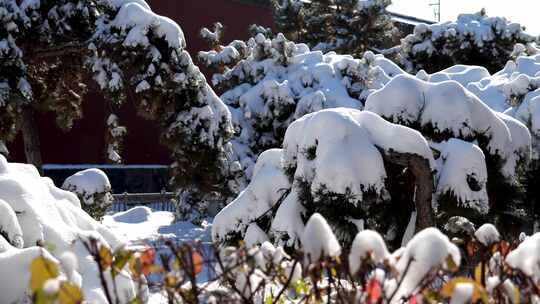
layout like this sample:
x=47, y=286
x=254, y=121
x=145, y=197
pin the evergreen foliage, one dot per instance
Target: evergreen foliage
x=345, y=26
x=50, y=50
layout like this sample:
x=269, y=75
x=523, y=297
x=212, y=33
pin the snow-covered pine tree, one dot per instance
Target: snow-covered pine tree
x=474, y=39
x=277, y=81
x=345, y=26
x=335, y=162
x=51, y=48
x=479, y=152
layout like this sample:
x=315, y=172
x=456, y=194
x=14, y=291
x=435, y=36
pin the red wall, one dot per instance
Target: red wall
x=84, y=144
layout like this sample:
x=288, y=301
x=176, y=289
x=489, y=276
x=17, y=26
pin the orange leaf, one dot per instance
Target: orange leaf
x=373, y=290
x=504, y=248
x=470, y=248
x=148, y=256
x=197, y=261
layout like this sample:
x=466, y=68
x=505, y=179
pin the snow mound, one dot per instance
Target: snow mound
x=526, y=257
x=318, y=240
x=87, y=183
x=367, y=244
x=427, y=251
x=134, y=215
x=487, y=234
x=463, y=74
x=47, y=215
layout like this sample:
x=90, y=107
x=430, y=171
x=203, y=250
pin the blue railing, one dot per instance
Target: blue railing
x=156, y=201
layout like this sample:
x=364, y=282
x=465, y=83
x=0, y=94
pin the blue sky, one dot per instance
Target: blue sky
x=525, y=12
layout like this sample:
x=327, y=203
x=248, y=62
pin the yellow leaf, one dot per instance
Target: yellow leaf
x=451, y=264
x=479, y=293
x=478, y=273
x=105, y=257
x=41, y=269
x=70, y=294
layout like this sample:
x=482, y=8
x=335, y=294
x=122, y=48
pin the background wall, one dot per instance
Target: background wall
x=85, y=144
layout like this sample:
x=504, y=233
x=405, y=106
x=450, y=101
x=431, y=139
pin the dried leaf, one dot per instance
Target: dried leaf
x=42, y=269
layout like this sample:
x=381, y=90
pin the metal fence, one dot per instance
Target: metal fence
x=155, y=201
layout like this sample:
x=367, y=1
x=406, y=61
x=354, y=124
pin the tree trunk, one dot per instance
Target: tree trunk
x=32, y=146
x=423, y=181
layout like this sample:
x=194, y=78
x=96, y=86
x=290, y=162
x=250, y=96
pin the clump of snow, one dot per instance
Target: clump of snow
x=87, y=183
x=462, y=293
x=526, y=257
x=463, y=74
x=521, y=144
x=318, y=240
x=93, y=188
x=288, y=226
x=47, y=215
x=255, y=235
x=487, y=234
x=139, y=22
x=367, y=244
x=257, y=199
x=462, y=172
x=134, y=215
x=9, y=226
x=428, y=251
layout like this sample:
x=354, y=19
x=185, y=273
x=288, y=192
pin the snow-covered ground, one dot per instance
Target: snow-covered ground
x=141, y=225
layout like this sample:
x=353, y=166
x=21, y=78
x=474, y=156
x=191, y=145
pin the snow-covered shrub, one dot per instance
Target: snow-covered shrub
x=474, y=39
x=43, y=215
x=54, y=47
x=427, y=268
x=464, y=74
x=345, y=26
x=93, y=188
x=334, y=163
x=279, y=81
x=478, y=151
x=508, y=87
x=514, y=90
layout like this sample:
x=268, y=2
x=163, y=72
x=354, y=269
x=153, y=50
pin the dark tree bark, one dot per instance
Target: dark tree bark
x=32, y=145
x=423, y=180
